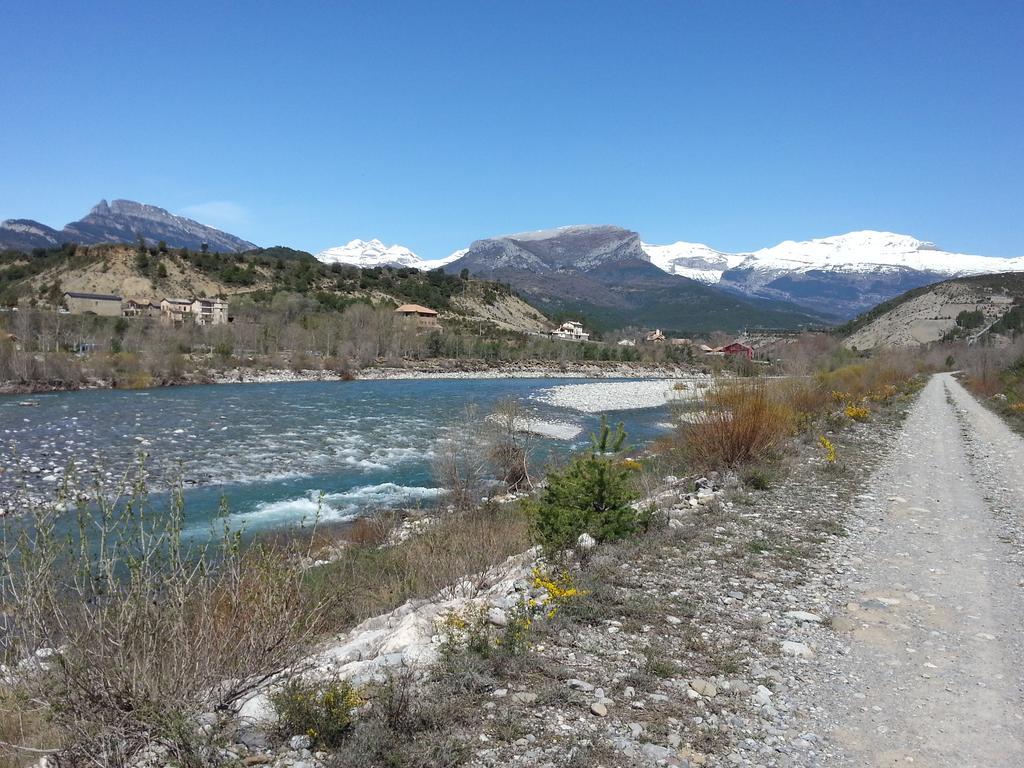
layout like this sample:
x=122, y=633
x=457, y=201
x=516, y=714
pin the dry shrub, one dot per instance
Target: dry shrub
x=124, y=633
x=862, y=380
x=372, y=530
x=806, y=397
x=479, y=451
x=509, y=445
x=990, y=370
x=411, y=725
x=738, y=423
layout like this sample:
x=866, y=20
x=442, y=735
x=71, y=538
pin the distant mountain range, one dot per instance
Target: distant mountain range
x=606, y=271
x=373, y=253
x=837, y=277
x=122, y=221
x=845, y=274
x=604, y=274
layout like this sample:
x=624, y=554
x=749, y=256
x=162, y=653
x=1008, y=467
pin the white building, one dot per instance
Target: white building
x=210, y=311
x=571, y=331
x=198, y=311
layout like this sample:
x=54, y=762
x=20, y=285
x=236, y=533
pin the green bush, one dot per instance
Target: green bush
x=970, y=319
x=758, y=478
x=593, y=495
x=321, y=710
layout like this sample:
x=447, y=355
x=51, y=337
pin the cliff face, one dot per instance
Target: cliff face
x=567, y=249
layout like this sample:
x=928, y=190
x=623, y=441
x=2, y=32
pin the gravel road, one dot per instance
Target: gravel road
x=930, y=665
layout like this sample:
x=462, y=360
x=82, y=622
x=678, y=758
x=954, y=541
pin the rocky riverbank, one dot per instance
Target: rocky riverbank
x=480, y=369
x=623, y=396
x=428, y=369
x=688, y=646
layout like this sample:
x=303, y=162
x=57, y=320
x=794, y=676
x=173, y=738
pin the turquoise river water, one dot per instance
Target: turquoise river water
x=274, y=453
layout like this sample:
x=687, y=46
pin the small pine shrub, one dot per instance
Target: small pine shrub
x=321, y=710
x=593, y=495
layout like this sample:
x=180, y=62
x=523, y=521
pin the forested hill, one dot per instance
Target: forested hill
x=41, y=276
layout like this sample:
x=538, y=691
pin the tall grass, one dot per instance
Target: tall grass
x=450, y=554
x=120, y=632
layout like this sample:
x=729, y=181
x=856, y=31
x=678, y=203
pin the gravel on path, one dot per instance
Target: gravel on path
x=931, y=673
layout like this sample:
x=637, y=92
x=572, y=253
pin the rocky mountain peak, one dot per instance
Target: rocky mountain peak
x=573, y=248
x=122, y=221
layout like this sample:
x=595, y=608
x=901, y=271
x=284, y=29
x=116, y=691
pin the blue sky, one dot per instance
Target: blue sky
x=738, y=124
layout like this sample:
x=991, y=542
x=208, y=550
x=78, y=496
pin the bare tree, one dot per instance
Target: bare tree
x=461, y=461
x=510, y=445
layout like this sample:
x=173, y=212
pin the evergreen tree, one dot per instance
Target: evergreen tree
x=593, y=495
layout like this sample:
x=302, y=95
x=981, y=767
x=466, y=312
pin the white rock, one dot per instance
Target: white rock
x=763, y=696
x=793, y=648
x=703, y=687
x=300, y=742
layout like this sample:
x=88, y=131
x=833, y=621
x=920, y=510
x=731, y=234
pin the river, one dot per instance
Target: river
x=275, y=454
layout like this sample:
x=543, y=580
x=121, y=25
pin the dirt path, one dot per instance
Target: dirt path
x=931, y=672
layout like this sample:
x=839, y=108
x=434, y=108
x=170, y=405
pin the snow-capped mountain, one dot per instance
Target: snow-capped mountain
x=844, y=274
x=870, y=251
x=603, y=273
x=373, y=253
x=693, y=260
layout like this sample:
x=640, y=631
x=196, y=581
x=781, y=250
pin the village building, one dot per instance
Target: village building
x=104, y=304
x=739, y=348
x=570, y=331
x=210, y=311
x=655, y=336
x=735, y=348
x=425, y=317
x=140, y=308
x=627, y=343
x=175, y=311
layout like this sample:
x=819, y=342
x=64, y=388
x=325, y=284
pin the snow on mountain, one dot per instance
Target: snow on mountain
x=435, y=263
x=369, y=253
x=841, y=275
x=866, y=251
x=693, y=260
x=870, y=251
x=373, y=253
